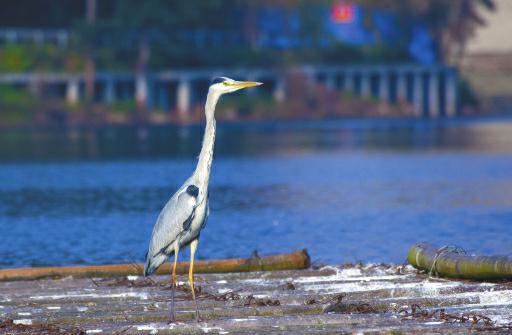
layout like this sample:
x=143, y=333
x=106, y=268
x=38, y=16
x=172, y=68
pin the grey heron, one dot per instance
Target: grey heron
x=180, y=222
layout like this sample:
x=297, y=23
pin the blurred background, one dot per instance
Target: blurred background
x=380, y=124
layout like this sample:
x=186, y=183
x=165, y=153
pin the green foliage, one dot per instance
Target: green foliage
x=246, y=105
x=181, y=34
x=41, y=13
x=14, y=58
x=30, y=57
x=16, y=105
x=467, y=95
x=216, y=33
x=223, y=33
x=383, y=53
x=12, y=97
x=124, y=106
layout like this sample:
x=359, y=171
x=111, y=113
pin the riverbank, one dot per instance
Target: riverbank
x=304, y=99
x=362, y=298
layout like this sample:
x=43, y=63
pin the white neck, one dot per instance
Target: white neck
x=202, y=172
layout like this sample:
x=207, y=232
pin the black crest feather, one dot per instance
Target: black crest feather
x=217, y=80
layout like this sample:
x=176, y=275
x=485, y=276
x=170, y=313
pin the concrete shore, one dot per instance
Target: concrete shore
x=329, y=299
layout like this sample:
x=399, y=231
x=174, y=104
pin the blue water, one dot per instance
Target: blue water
x=345, y=190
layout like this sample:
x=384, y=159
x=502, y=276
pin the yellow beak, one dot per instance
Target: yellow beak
x=244, y=84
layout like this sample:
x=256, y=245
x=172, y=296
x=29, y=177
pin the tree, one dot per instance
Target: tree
x=202, y=33
x=451, y=23
x=90, y=64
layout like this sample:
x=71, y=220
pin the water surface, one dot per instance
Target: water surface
x=346, y=190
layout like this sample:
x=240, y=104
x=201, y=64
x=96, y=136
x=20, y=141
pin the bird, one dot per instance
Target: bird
x=183, y=217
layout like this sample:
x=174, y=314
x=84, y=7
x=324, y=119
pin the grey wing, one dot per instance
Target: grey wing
x=172, y=221
x=207, y=213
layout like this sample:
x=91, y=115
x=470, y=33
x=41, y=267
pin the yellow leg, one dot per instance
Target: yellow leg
x=173, y=283
x=193, y=248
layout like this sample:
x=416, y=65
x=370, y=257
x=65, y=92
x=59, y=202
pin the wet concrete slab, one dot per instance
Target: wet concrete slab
x=330, y=299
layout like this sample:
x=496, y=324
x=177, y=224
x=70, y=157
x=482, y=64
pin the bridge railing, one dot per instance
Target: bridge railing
x=431, y=90
x=58, y=37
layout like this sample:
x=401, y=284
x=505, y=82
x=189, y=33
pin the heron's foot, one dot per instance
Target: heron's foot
x=198, y=317
x=172, y=320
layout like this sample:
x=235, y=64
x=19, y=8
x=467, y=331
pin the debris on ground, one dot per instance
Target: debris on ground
x=329, y=299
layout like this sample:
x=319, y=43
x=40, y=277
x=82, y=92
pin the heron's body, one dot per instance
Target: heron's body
x=169, y=232
x=184, y=216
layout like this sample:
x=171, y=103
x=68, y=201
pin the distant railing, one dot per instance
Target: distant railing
x=59, y=37
x=431, y=90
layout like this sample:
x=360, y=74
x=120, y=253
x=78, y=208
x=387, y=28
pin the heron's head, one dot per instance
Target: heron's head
x=223, y=85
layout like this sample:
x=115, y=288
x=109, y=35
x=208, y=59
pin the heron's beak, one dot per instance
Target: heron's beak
x=245, y=84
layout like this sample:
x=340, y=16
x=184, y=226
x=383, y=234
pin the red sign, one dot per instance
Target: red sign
x=341, y=13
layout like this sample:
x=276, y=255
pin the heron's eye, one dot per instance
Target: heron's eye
x=225, y=83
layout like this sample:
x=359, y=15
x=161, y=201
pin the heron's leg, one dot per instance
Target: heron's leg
x=193, y=248
x=173, y=282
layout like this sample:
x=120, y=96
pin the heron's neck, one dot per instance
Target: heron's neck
x=206, y=155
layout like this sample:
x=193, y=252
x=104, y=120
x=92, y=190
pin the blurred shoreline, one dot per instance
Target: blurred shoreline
x=255, y=137
x=350, y=121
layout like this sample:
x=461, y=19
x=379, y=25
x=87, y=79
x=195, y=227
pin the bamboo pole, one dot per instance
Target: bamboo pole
x=446, y=262
x=295, y=260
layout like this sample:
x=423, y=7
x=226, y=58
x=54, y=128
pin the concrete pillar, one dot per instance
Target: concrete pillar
x=183, y=98
x=38, y=37
x=418, y=94
x=433, y=94
x=110, y=92
x=451, y=94
x=310, y=77
x=141, y=90
x=62, y=39
x=11, y=36
x=401, y=86
x=384, y=92
x=35, y=84
x=279, y=89
x=366, y=79
x=349, y=82
x=72, y=91
x=330, y=81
